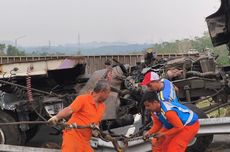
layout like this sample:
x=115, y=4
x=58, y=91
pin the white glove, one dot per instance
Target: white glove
x=146, y=136
x=53, y=120
x=96, y=131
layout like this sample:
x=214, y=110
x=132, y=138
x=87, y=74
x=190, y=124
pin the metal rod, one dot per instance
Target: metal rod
x=24, y=122
x=40, y=91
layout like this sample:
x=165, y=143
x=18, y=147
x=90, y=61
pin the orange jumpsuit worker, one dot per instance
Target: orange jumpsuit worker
x=84, y=110
x=174, y=124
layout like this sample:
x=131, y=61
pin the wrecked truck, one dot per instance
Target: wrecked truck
x=35, y=90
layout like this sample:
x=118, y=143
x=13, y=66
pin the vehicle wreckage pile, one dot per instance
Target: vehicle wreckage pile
x=28, y=94
x=34, y=91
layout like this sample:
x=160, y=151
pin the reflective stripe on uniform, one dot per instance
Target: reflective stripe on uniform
x=172, y=95
x=169, y=106
x=161, y=96
x=188, y=111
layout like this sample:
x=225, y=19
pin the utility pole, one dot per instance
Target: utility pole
x=49, y=44
x=79, y=42
x=79, y=50
x=16, y=40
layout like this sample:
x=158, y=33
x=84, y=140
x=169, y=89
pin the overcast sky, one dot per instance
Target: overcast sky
x=136, y=21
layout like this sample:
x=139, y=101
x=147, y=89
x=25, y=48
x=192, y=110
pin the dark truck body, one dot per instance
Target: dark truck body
x=219, y=24
x=36, y=90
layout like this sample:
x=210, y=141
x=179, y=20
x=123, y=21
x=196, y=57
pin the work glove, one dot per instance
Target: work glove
x=96, y=131
x=146, y=136
x=158, y=135
x=53, y=120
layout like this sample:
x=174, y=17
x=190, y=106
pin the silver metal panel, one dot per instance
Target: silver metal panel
x=208, y=126
x=12, y=148
x=93, y=62
x=215, y=126
x=220, y=124
x=38, y=67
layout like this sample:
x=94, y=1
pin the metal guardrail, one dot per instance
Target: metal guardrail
x=10, y=59
x=94, y=63
x=208, y=126
x=13, y=148
x=215, y=126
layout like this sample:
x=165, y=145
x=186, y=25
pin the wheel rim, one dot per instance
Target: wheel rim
x=2, y=137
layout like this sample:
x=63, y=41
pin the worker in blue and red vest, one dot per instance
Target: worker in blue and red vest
x=174, y=124
x=165, y=89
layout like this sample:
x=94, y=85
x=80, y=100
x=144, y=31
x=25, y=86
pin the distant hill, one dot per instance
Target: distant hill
x=93, y=48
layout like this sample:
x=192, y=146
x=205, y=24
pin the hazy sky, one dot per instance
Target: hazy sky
x=134, y=21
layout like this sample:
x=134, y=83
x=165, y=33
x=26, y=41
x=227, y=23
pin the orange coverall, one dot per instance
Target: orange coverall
x=85, y=112
x=175, y=139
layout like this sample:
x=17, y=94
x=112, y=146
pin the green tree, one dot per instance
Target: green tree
x=13, y=51
x=2, y=48
x=197, y=43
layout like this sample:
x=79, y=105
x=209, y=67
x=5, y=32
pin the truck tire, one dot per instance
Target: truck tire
x=200, y=143
x=10, y=134
x=31, y=133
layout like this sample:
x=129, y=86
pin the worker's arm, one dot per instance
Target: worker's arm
x=77, y=104
x=156, y=125
x=101, y=116
x=176, y=90
x=74, y=107
x=175, y=121
x=64, y=113
x=167, y=93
